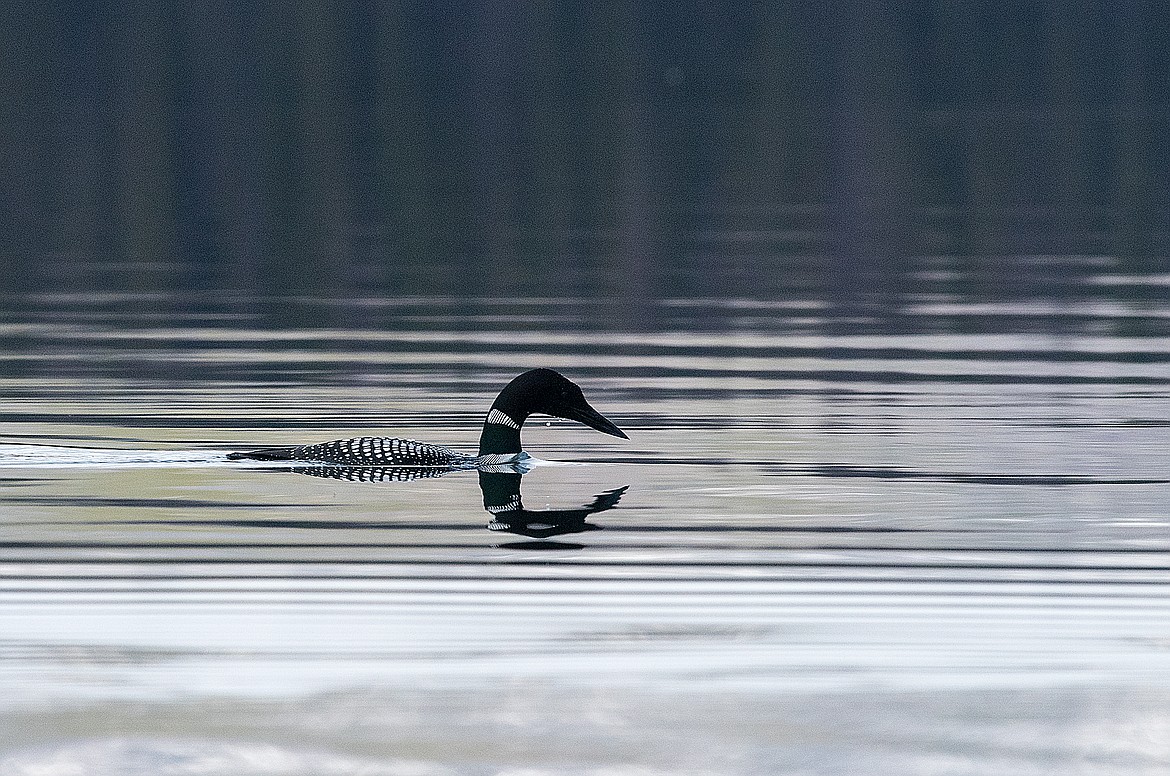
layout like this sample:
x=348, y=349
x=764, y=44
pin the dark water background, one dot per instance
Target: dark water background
x=879, y=294
x=661, y=149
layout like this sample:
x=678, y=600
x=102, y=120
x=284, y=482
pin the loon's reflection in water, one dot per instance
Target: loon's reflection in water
x=372, y=473
x=501, y=499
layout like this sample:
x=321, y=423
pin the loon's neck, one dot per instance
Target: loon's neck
x=501, y=429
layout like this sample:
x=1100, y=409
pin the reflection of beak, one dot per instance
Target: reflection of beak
x=592, y=418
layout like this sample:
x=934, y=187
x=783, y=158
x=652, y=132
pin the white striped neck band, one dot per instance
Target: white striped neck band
x=498, y=418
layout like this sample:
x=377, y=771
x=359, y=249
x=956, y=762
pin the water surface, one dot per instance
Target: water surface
x=926, y=538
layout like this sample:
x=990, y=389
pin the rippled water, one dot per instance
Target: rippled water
x=933, y=539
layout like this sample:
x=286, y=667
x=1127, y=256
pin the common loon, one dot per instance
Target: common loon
x=536, y=391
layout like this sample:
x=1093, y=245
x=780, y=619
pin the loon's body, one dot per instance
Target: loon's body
x=365, y=451
x=536, y=391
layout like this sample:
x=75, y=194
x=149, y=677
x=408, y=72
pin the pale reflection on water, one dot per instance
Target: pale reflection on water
x=938, y=542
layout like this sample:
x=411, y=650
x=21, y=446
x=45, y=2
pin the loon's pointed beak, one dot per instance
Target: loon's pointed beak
x=592, y=418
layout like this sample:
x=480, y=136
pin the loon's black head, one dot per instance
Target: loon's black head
x=538, y=391
x=551, y=393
